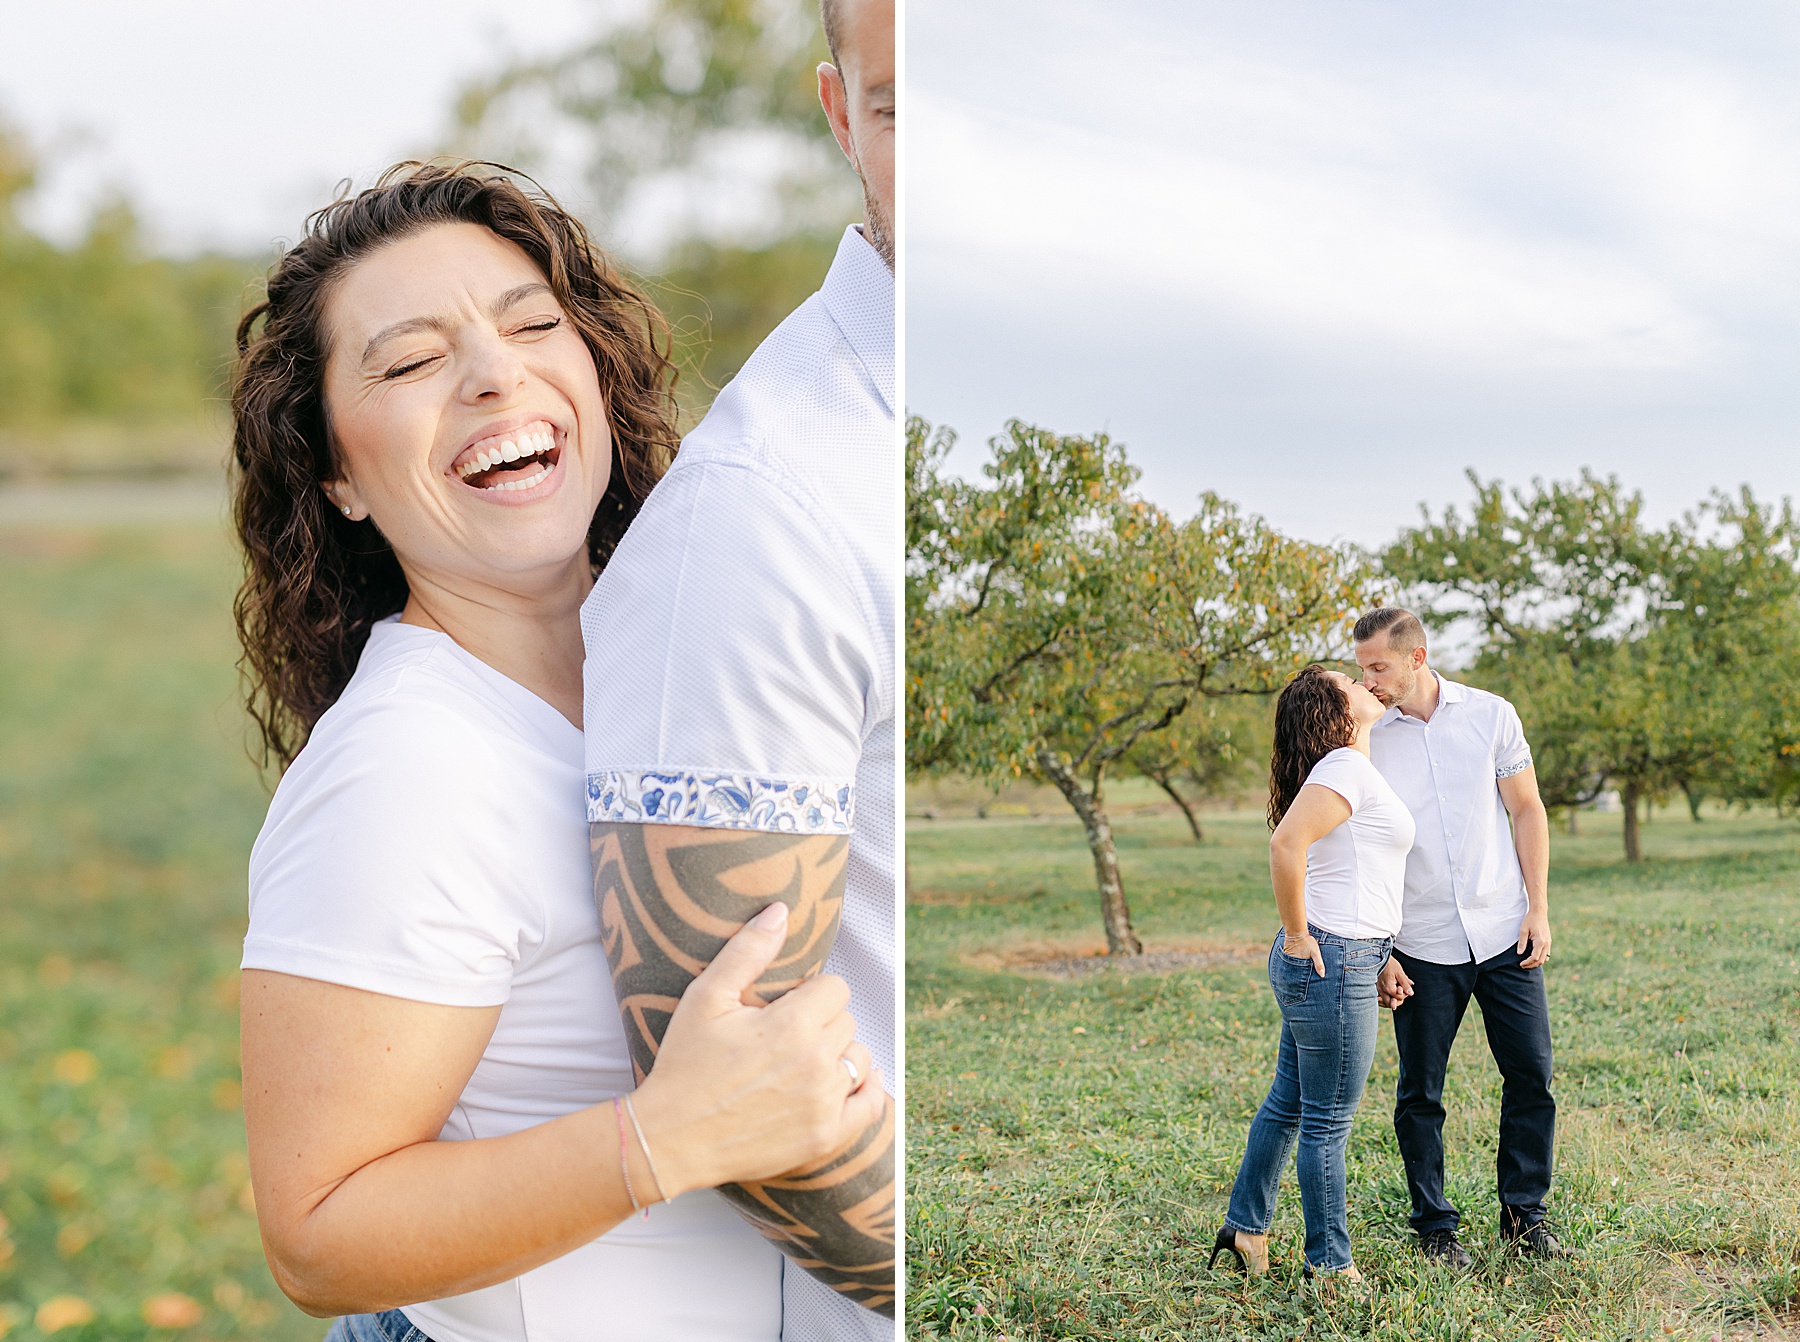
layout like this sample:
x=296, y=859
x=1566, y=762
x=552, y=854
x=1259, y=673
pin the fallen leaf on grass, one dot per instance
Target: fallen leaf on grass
x=63, y=1311
x=172, y=1309
x=55, y=970
x=76, y=1066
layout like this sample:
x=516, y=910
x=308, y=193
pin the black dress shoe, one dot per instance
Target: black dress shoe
x=1442, y=1246
x=1534, y=1239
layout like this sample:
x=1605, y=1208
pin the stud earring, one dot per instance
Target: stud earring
x=346, y=510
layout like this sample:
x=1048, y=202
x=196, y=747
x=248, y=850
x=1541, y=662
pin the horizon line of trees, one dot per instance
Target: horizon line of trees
x=1062, y=628
x=102, y=334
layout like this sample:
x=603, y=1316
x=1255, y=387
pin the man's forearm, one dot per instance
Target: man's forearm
x=1531, y=839
x=669, y=897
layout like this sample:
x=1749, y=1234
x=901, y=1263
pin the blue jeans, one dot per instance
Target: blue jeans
x=1328, y=1028
x=390, y=1326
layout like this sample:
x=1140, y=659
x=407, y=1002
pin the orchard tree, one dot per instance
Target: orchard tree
x=1216, y=750
x=1057, y=622
x=1638, y=658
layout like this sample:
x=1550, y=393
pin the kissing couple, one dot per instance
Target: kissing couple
x=1410, y=860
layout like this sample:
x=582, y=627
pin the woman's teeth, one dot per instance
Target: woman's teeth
x=526, y=483
x=534, y=443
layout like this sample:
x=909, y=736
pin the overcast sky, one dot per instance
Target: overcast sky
x=228, y=120
x=1323, y=257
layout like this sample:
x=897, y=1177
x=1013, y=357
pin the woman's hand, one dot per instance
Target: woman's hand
x=1305, y=946
x=1392, y=985
x=742, y=1092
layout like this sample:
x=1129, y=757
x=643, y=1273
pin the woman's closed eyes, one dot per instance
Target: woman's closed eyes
x=538, y=326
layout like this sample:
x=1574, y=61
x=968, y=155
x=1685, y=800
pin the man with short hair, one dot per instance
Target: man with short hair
x=740, y=701
x=1475, y=923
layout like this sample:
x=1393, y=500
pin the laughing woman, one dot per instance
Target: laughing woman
x=1338, y=863
x=447, y=411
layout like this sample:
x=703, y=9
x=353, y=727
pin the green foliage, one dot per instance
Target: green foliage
x=101, y=331
x=663, y=101
x=127, y=809
x=1071, y=1144
x=1057, y=622
x=1054, y=608
x=1639, y=658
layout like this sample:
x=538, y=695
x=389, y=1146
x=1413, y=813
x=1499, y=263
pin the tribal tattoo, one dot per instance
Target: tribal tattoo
x=669, y=898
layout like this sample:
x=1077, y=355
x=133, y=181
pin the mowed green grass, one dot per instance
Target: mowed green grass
x=1071, y=1144
x=127, y=809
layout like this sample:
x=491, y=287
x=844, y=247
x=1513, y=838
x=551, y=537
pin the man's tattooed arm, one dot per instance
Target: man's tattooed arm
x=670, y=896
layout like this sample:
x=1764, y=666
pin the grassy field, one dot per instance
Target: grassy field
x=1071, y=1142
x=127, y=808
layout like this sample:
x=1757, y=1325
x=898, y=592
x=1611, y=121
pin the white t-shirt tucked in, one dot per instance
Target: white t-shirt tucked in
x=1356, y=874
x=431, y=843
x=1465, y=892
x=740, y=644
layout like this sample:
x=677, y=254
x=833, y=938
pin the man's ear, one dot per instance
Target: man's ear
x=835, y=99
x=1418, y=658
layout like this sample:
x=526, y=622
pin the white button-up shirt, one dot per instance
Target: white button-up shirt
x=741, y=643
x=1465, y=892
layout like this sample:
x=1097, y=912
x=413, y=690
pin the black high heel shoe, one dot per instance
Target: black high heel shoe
x=1226, y=1242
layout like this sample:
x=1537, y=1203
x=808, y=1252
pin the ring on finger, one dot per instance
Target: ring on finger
x=850, y=1067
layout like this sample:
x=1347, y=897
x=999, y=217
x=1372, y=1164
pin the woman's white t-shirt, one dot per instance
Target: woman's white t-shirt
x=1356, y=875
x=431, y=843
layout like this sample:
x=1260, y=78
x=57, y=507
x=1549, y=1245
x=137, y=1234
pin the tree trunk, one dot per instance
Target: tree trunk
x=1693, y=800
x=1574, y=825
x=1193, y=820
x=1633, y=850
x=1114, y=913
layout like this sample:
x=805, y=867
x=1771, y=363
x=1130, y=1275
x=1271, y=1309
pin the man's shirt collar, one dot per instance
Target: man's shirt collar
x=858, y=293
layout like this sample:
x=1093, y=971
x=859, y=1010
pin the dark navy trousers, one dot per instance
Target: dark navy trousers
x=1517, y=1016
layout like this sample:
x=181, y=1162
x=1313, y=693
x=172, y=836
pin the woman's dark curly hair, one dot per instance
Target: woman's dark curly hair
x=1312, y=719
x=315, y=582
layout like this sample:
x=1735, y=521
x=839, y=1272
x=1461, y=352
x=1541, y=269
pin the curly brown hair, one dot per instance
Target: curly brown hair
x=1312, y=719
x=315, y=582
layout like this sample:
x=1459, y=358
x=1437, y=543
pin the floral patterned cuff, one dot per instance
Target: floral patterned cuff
x=1516, y=767
x=719, y=801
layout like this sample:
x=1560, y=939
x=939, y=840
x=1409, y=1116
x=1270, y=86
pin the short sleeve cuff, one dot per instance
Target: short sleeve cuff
x=1517, y=766
x=390, y=978
x=720, y=801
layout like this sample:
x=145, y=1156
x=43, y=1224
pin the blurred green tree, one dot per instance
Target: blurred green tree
x=1057, y=622
x=100, y=332
x=697, y=130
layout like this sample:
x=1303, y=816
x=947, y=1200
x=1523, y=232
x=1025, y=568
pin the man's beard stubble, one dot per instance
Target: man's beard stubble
x=878, y=228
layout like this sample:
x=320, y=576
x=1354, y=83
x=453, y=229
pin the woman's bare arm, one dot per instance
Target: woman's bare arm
x=362, y=1208
x=1314, y=814
x=669, y=896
